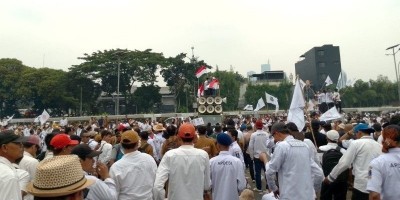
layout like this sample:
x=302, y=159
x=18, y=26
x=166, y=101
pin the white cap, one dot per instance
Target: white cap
x=332, y=135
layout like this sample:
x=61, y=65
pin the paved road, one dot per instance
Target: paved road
x=258, y=195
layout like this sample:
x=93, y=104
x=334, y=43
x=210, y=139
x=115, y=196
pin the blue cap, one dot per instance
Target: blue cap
x=243, y=127
x=360, y=126
x=224, y=139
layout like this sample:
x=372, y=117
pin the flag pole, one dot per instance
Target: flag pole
x=308, y=115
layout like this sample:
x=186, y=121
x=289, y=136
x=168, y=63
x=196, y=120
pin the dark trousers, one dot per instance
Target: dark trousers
x=338, y=105
x=249, y=164
x=337, y=190
x=258, y=165
x=358, y=195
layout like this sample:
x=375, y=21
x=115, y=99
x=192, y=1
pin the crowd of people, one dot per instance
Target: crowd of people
x=130, y=159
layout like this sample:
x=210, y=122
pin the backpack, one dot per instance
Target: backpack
x=143, y=148
x=329, y=160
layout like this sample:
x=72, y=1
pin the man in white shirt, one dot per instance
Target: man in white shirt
x=337, y=100
x=227, y=174
x=100, y=190
x=234, y=148
x=298, y=175
x=258, y=144
x=331, y=156
x=105, y=147
x=135, y=172
x=87, y=138
x=359, y=154
x=29, y=161
x=158, y=140
x=186, y=168
x=384, y=171
x=10, y=151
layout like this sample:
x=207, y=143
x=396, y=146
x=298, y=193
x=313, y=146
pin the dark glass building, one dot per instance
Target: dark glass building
x=318, y=63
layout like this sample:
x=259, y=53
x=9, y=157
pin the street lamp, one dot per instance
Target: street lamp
x=118, y=53
x=396, y=68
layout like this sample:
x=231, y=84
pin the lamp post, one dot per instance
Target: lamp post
x=396, y=67
x=118, y=53
x=80, y=106
x=117, y=101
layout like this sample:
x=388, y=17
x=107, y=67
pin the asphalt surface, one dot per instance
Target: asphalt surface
x=258, y=195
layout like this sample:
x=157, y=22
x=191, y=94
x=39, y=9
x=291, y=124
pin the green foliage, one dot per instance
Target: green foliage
x=180, y=77
x=283, y=92
x=146, y=98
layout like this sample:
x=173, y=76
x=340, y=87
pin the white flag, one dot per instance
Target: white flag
x=260, y=104
x=9, y=118
x=328, y=81
x=331, y=114
x=44, y=117
x=37, y=119
x=340, y=83
x=63, y=122
x=248, y=107
x=272, y=100
x=302, y=84
x=296, y=112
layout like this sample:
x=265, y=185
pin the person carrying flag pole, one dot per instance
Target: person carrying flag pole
x=199, y=72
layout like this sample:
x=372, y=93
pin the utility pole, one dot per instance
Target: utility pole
x=396, y=68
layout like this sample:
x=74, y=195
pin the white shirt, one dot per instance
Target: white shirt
x=158, y=140
x=151, y=143
x=336, y=96
x=236, y=151
x=384, y=175
x=298, y=174
x=359, y=154
x=330, y=146
x=258, y=143
x=106, y=149
x=9, y=181
x=92, y=143
x=134, y=176
x=29, y=164
x=311, y=147
x=227, y=176
x=188, y=172
x=101, y=190
x=23, y=181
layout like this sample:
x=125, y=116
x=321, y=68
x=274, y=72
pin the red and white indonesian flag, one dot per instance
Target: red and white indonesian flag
x=200, y=71
x=214, y=84
x=200, y=91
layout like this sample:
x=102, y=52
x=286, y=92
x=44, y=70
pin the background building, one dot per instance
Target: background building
x=265, y=67
x=318, y=63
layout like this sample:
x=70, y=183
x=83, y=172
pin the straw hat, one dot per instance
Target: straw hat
x=158, y=127
x=58, y=176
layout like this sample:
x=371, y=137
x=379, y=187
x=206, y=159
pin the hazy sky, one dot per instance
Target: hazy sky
x=244, y=34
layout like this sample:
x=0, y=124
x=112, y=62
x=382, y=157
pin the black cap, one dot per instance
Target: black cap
x=9, y=136
x=84, y=151
x=280, y=127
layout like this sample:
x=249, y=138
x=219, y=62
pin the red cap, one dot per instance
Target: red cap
x=259, y=124
x=62, y=140
x=187, y=130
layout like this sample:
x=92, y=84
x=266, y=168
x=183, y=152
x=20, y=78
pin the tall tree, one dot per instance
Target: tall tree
x=180, y=77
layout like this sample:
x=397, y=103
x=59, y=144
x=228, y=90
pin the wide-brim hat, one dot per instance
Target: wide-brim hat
x=58, y=176
x=158, y=127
